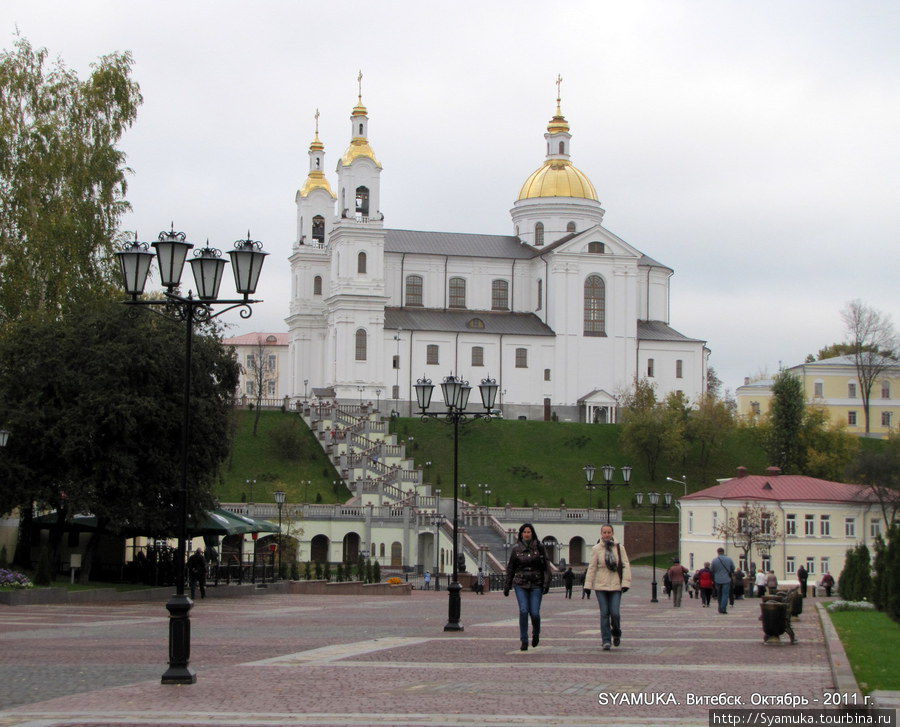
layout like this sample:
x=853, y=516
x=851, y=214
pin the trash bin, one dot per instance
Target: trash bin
x=776, y=618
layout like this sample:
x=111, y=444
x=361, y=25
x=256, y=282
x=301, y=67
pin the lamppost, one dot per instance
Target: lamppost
x=437, y=520
x=485, y=492
x=378, y=397
x=360, y=388
x=250, y=484
x=305, y=384
x=279, y=500
x=589, y=481
x=456, y=398
x=608, y=473
x=172, y=248
x=654, y=501
x=682, y=481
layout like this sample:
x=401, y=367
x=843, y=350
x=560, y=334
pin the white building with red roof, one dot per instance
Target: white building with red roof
x=271, y=350
x=815, y=522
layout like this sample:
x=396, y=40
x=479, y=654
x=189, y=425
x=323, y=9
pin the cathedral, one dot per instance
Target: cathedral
x=562, y=313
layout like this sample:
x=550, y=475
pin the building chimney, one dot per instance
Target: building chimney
x=746, y=380
x=741, y=471
x=773, y=471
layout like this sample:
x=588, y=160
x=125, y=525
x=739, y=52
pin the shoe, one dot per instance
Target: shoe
x=606, y=647
x=524, y=646
x=535, y=639
x=617, y=640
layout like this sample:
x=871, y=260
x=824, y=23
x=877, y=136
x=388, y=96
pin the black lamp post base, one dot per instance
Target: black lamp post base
x=453, y=623
x=179, y=672
x=653, y=598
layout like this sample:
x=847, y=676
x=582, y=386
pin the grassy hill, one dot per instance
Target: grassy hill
x=540, y=462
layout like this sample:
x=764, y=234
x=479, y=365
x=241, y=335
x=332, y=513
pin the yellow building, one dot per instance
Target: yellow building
x=832, y=383
x=814, y=523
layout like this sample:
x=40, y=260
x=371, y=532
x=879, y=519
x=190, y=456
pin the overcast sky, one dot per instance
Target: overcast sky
x=752, y=147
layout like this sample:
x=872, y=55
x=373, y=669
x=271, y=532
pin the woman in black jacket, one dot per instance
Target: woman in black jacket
x=528, y=571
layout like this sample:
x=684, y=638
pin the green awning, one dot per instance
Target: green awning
x=218, y=521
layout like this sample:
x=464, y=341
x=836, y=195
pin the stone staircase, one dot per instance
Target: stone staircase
x=485, y=536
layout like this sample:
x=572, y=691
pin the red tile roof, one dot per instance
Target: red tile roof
x=780, y=488
x=250, y=339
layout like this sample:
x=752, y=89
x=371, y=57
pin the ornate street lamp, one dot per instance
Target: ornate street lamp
x=208, y=266
x=279, y=500
x=437, y=520
x=609, y=472
x=654, y=501
x=456, y=397
x=589, y=485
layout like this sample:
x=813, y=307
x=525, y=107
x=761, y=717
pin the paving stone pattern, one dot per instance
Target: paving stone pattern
x=345, y=660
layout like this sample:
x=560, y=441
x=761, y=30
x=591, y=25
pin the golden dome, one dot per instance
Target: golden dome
x=359, y=109
x=316, y=180
x=359, y=147
x=558, y=178
x=558, y=123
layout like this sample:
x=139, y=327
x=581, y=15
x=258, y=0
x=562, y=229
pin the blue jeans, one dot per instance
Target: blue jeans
x=609, y=614
x=529, y=604
x=724, y=589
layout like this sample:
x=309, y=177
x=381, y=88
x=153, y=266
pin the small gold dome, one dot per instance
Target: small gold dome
x=316, y=180
x=558, y=178
x=359, y=147
x=316, y=145
x=359, y=110
x=558, y=123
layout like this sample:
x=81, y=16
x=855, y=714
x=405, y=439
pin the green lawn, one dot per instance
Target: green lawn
x=663, y=560
x=872, y=642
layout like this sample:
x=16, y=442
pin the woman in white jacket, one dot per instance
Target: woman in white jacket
x=608, y=576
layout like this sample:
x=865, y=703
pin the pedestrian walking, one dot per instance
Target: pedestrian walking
x=738, y=584
x=678, y=575
x=196, y=565
x=723, y=571
x=752, y=579
x=771, y=583
x=706, y=584
x=608, y=576
x=760, y=583
x=568, y=581
x=427, y=580
x=827, y=583
x=528, y=571
x=802, y=576
x=479, y=582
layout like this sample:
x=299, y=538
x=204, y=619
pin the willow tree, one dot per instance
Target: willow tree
x=62, y=179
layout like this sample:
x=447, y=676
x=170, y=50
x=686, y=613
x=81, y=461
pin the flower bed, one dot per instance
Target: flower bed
x=13, y=580
x=850, y=606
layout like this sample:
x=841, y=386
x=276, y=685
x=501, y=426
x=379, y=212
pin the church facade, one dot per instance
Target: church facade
x=562, y=313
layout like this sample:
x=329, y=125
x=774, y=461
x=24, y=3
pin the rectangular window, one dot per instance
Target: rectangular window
x=271, y=388
x=521, y=358
x=850, y=527
x=851, y=418
x=691, y=559
x=690, y=521
x=395, y=392
x=754, y=407
x=790, y=524
x=414, y=290
x=809, y=524
x=824, y=565
x=885, y=389
x=825, y=525
x=819, y=389
x=875, y=528
x=715, y=521
x=395, y=361
x=790, y=565
x=431, y=355
x=251, y=388
x=811, y=565
x=500, y=295
x=851, y=390
x=650, y=368
x=477, y=356
x=546, y=374
x=766, y=524
x=272, y=362
x=457, y=292
x=886, y=418
x=679, y=369
x=767, y=562
x=251, y=362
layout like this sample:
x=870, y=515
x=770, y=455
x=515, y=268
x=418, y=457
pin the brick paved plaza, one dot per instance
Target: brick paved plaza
x=385, y=660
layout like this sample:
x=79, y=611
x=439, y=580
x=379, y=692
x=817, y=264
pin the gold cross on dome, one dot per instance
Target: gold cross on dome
x=359, y=81
x=558, y=88
x=317, y=122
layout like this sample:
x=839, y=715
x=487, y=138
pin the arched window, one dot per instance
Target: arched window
x=521, y=358
x=539, y=233
x=317, y=285
x=362, y=200
x=431, y=354
x=596, y=247
x=477, y=356
x=318, y=230
x=562, y=147
x=457, y=292
x=500, y=295
x=361, y=345
x=414, y=290
x=360, y=129
x=540, y=294
x=361, y=263
x=570, y=227
x=594, y=306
